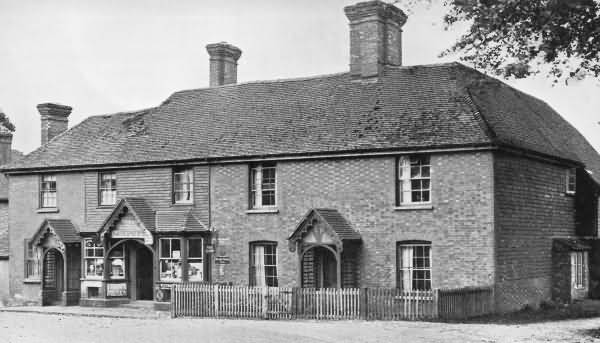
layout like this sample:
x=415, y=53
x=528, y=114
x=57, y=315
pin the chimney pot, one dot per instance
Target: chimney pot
x=223, y=63
x=55, y=120
x=375, y=37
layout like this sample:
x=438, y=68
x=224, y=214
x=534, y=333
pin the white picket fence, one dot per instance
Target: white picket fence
x=219, y=301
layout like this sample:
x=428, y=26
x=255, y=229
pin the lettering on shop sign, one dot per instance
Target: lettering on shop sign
x=116, y=289
x=222, y=260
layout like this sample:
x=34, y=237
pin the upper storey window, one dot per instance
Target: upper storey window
x=107, y=188
x=48, y=191
x=571, y=180
x=414, y=180
x=183, y=186
x=262, y=185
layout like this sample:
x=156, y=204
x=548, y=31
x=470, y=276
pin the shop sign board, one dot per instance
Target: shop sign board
x=116, y=289
x=222, y=260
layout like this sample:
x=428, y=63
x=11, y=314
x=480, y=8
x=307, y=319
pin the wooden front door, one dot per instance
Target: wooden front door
x=53, y=278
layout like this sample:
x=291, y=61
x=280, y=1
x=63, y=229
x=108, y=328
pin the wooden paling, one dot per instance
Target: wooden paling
x=220, y=301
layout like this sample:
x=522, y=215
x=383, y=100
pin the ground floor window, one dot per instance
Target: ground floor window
x=33, y=260
x=195, y=260
x=579, y=265
x=93, y=259
x=414, y=265
x=170, y=259
x=263, y=264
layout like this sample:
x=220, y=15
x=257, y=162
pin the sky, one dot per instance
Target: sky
x=110, y=56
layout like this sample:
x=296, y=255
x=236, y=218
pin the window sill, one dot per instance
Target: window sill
x=409, y=207
x=47, y=210
x=104, y=207
x=32, y=281
x=570, y=194
x=262, y=210
x=182, y=204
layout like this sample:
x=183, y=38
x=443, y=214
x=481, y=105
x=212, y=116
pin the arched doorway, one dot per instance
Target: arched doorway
x=132, y=262
x=319, y=268
x=53, y=277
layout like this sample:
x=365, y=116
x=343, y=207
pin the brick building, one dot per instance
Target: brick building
x=416, y=177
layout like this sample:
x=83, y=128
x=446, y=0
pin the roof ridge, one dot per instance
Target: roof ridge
x=254, y=82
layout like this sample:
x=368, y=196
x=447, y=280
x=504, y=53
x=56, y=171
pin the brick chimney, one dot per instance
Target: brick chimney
x=375, y=37
x=55, y=120
x=223, y=63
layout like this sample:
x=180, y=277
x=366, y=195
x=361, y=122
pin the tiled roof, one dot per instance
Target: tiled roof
x=331, y=218
x=178, y=221
x=432, y=106
x=64, y=229
x=143, y=211
x=571, y=244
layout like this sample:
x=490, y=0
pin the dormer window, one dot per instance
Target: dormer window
x=571, y=180
x=183, y=186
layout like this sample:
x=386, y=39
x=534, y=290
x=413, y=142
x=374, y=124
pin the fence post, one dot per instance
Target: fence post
x=265, y=292
x=436, y=303
x=364, y=303
x=172, y=301
x=216, y=296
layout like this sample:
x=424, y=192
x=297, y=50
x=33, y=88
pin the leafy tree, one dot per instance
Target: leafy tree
x=521, y=37
x=5, y=121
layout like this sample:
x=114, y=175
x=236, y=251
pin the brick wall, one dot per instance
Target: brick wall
x=24, y=220
x=531, y=209
x=460, y=225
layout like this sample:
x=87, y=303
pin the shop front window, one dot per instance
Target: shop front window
x=195, y=261
x=170, y=259
x=116, y=259
x=94, y=259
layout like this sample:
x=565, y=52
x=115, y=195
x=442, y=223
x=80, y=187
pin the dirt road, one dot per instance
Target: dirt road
x=36, y=328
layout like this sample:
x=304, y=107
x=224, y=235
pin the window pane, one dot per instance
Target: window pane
x=175, y=248
x=165, y=248
x=268, y=198
x=195, y=248
x=195, y=271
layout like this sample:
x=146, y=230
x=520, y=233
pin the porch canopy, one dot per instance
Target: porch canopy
x=55, y=233
x=321, y=230
x=132, y=218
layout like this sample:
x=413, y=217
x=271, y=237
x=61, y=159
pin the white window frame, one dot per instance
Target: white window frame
x=256, y=186
x=267, y=280
x=199, y=260
x=185, y=187
x=409, y=269
x=96, y=256
x=177, y=260
x=110, y=190
x=404, y=189
x=123, y=258
x=48, y=194
x=579, y=269
x=571, y=181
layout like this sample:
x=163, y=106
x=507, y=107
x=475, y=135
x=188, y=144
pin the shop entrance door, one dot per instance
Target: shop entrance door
x=143, y=267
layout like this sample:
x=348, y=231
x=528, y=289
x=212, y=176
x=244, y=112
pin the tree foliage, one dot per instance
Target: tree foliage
x=521, y=37
x=5, y=121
